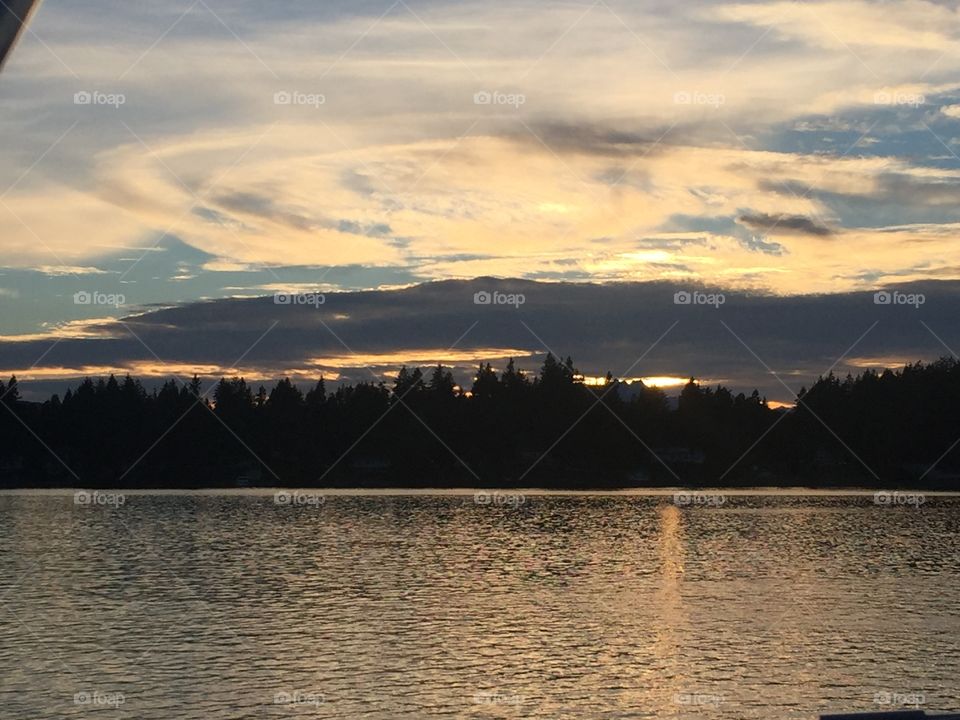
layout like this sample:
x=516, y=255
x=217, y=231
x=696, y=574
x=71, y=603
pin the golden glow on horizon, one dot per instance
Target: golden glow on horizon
x=154, y=370
x=653, y=381
x=421, y=357
x=881, y=363
x=309, y=370
x=91, y=328
x=664, y=381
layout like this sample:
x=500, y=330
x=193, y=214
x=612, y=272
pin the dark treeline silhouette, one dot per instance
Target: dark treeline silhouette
x=510, y=428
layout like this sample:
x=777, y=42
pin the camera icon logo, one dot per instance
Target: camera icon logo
x=82, y=98
x=82, y=298
x=282, y=98
x=682, y=297
x=482, y=98
x=882, y=298
x=282, y=498
x=482, y=498
x=482, y=298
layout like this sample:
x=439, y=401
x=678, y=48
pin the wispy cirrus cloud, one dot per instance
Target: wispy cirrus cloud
x=370, y=145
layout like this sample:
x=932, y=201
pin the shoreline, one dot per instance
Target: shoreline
x=760, y=491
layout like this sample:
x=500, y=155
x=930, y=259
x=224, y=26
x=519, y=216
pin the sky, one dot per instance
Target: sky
x=180, y=157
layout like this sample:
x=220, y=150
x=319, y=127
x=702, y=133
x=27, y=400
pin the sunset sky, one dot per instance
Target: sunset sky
x=236, y=149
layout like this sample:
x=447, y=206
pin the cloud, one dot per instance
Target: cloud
x=368, y=335
x=592, y=139
x=400, y=176
x=760, y=244
x=784, y=223
x=60, y=270
x=926, y=189
x=909, y=25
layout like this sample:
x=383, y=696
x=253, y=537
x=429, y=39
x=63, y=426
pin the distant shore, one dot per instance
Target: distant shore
x=549, y=430
x=838, y=490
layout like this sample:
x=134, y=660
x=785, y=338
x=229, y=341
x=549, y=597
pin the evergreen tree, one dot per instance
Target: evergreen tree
x=407, y=382
x=441, y=382
x=317, y=396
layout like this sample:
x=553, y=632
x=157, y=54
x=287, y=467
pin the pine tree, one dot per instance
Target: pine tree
x=317, y=396
x=441, y=382
x=486, y=385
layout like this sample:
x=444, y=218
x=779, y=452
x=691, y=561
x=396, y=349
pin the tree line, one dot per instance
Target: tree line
x=543, y=429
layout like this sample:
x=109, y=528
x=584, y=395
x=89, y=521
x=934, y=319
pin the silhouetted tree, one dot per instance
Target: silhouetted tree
x=408, y=382
x=555, y=431
x=317, y=395
x=486, y=385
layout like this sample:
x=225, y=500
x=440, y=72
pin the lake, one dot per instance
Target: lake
x=252, y=605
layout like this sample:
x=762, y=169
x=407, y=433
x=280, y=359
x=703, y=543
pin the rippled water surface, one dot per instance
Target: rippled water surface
x=234, y=606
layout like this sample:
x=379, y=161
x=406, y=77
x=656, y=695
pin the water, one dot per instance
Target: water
x=214, y=606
